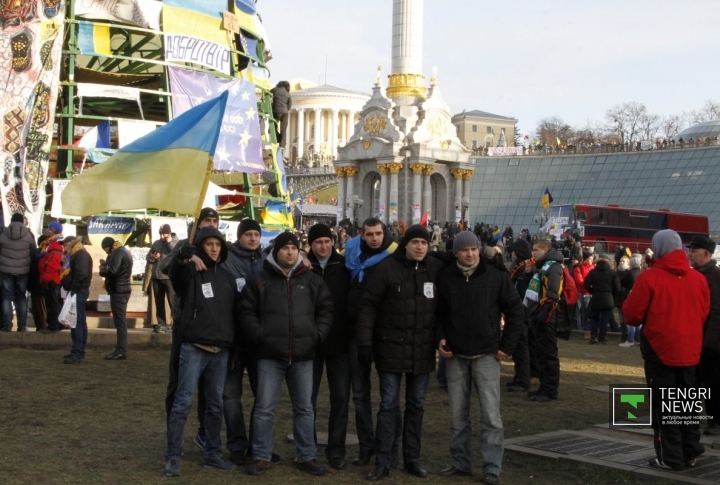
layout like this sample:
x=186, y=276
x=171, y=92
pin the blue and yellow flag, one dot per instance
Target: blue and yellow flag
x=547, y=199
x=165, y=169
x=94, y=40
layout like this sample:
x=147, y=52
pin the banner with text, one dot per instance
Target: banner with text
x=118, y=228
x=505, y=151
x=135, y=12
x=184, y=48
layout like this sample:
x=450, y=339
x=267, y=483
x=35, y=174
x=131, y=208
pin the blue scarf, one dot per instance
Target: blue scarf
x=352, y=258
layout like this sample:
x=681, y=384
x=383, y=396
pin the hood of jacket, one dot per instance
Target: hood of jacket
x=296, y=270
x=602, y=265
x=205, y=233
x=552, y=255
x=674, y=262
x=16, y=230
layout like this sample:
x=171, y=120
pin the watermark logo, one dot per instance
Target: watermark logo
x=630, y=406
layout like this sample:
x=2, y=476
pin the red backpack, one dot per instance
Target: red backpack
x=570, y=291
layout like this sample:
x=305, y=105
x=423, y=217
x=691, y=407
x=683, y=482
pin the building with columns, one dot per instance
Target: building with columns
x=404, y=157
x=321, y=120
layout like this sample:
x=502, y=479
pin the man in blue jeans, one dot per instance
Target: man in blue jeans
x=76, y=281
x=17, y=247
x=287, y=311
x=472, y=295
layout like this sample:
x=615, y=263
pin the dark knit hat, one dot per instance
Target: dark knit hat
x=17, y=217
x=318, y=231
x=107, y=242
x=208, y=212
x=55, y=227
x=283, y=240
x=586, y=254
x=165, y=229
x=465, y=239
x=416, y=231
x=703, y=242
x=522, y=249
x=248, y=225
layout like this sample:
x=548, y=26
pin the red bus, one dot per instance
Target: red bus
x=604, y=226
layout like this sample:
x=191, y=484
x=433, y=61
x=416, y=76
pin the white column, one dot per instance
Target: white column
x=407, y=35
x=334, y=134
x=350, y=125
x=417, y=169
x=340, y=171
x=383, y=209
x=343, y=129
x=288, y=135
x=307, y=128
x=300, y=131
x=427, y=191
x=350, y=191
x=393, y=203
x=318, y=130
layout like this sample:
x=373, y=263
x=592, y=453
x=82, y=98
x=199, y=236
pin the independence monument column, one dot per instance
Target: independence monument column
x=406, y=82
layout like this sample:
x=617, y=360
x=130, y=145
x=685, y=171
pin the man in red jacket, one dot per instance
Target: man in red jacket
x=49, y=269
x=581, y=271
x=672, y=301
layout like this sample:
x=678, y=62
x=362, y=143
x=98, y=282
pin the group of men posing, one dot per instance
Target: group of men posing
x=284, y=315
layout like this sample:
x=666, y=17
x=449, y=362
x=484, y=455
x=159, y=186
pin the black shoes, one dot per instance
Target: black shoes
x=219, y=462
x=541, y=397
x=452, y=471
x=337, y=463
x=238, y=457
x=172, y=468
x=491, y=479
x=72, y=359
x=364, y=457
x=313, y=467
x=159, y=328
x=378, y=473
x=414, y=468
x=117, y=355
x=257, y=467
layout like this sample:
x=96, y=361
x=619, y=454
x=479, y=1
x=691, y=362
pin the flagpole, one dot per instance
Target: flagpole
x=203, y=192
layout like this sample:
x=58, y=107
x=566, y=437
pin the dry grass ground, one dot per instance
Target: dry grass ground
x=104, y=422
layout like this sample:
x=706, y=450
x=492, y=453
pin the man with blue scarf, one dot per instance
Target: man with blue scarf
x=362, y=255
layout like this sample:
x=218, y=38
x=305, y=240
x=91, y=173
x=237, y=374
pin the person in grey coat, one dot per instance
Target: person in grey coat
x=17, y=246
x=281, y=108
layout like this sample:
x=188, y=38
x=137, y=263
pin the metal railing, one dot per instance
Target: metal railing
x=607, y=148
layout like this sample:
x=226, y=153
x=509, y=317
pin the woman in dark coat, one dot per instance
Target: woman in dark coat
x=603, y=284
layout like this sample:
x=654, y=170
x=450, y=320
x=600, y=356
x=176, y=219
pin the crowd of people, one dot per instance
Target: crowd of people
x=338, y=300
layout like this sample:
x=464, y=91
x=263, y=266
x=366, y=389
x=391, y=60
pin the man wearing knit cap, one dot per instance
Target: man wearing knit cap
x=161, y=286
x=333, y=354
x=395, y=327
x=49, y=269
x=286, y=312
x=208, y=218
x=472, y=296
x=117, y=271
x=17, y=246
x=672, y=302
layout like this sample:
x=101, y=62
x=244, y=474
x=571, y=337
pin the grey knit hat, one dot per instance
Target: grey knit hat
x=465, y=239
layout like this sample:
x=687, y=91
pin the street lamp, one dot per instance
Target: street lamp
x=462, y=205
x=354, y=204
x=540, y=220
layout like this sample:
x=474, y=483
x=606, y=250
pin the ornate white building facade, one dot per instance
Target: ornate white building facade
x=405, y=158
x=321, y=120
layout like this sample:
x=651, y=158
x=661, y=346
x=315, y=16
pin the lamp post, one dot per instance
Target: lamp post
x=540, y=219
x=353, y=205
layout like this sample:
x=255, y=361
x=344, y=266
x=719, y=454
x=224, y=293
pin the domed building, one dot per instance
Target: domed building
x=322, y=119
x=706, y=129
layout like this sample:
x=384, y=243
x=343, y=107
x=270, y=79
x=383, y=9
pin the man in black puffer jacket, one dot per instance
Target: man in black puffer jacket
x=603, y=284
x=473, y=296
x=117, y=271
x=396, y=321
x=333, y=353
x=209, y=302
x=287, y=311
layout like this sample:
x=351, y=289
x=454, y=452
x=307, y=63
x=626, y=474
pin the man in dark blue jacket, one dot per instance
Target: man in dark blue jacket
x=472, y=297
x=209, y=302
x=117, y=271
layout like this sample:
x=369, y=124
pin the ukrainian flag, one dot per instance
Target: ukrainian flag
x=547, y=199
x=166, y=169
x=94, y=40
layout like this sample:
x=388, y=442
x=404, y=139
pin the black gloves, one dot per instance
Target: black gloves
x=186, y=252
x=365, y=356
x=235, y=361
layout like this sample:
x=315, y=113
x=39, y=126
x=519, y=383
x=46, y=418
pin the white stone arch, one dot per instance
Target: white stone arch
x=369, y=195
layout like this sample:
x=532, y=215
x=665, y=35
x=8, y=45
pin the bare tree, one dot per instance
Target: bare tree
x=671, y=125
x=710, y=111
x=649, y=125
x=553, y=128
x=625, y=119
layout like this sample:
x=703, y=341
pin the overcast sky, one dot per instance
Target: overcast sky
x=525, y=59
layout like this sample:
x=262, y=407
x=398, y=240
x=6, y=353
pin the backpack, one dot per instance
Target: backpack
x=570, y=291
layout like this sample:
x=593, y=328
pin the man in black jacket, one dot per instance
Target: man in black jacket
x=334, y=352
x=603, y=284
x=161, y=286
x=472, y=297
x=362, y=254
x=702, y=249
x=524, y=355
x=287, y=311
x=76, y=281
x=209, y=302
x=117, y=271
x=396, y=322
x=542, y=299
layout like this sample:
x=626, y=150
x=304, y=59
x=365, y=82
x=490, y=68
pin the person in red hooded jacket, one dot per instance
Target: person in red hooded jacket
x=49, y=269
x=672, y=301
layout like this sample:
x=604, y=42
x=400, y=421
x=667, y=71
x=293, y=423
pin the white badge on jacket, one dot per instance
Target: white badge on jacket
x=207, y=290
x=240, y=282
x=428, y=290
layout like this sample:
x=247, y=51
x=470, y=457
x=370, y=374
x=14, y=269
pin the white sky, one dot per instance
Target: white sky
x=526, y=59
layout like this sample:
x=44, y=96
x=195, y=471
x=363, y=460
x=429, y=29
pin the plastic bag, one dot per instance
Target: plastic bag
x=68, y=314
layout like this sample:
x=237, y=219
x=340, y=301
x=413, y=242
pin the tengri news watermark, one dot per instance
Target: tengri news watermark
x=632, y=405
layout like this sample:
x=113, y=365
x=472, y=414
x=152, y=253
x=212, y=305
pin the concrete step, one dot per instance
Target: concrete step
x=97, y=337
